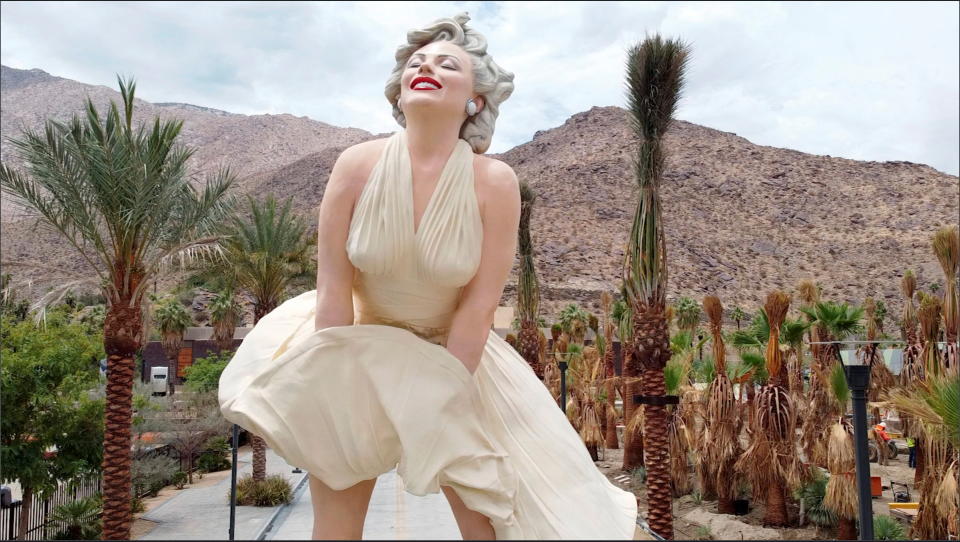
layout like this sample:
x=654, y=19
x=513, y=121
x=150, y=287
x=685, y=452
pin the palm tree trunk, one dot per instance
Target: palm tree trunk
x=776, y=506
x=846, y=529
x=653, y=351
x=632, y=447
x=257, y=444
x=122, y=330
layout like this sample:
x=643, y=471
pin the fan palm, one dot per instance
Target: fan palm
x=574, y=321
x=655, y=76
x=224, y=315
x=722, y=446
x=841, y=497
x=121, y=197
x=172, y=320
x=946, y=245
x=688, y=313
x=528, y=287
x=833, y=322
x=771, y=460
x=263, y=255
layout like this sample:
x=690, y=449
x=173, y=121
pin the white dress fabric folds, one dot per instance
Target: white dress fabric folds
x=348, y=403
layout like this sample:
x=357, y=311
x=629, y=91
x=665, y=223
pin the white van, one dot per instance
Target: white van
x=158, y=380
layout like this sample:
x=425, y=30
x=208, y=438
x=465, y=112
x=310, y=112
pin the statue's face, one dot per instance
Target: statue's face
x=449, y=66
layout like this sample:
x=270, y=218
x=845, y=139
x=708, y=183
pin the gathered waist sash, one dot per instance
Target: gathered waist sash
x=435, y=335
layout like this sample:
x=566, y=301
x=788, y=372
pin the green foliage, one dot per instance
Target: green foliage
x=150, y=474
x=574, y=321
x=179, y=479
x=840, y=319
x=674, y=374
x=887, y=528
x=705, y=370
x=214, y=456
x=80, y=519
x=838, y=384
x=50, y=375
x=204, y=374
x=687, y=312
x=812, y=494
x=792, y=331
x=639, y=476
x=703, y=533
x=265, y=252
x=737, y=315
x=119, y=194
x=942, y=395
x=11, y=307
x=274, y=490
x=171, y=316
x=757, y=364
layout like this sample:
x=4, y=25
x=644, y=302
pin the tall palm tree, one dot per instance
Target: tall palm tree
x=263, y=255
x=224, y=316
x=121, y=196
x=946, y=245
x=608, y=419
x=655, y=71
x=834, y=322
x=721, y=447
x=934, y=405
x=575, y=320
x=688, y=315
x=528, y=287
x=772, y=460
x=841, y=495
x=172, y=320
x=738, y=316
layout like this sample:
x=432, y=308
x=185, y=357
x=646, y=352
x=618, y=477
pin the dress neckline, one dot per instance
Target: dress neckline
x=415, y=228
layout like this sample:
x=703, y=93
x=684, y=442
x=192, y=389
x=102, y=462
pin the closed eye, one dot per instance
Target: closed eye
x=447, y=67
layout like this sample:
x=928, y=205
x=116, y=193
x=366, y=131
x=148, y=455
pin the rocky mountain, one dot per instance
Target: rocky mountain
x=741, y=219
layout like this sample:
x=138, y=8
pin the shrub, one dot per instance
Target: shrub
x=812, y=494
x=150, y=474
x=179, y=479
x=887, y=528
x=639, y=475
x=274, y=490
x=214, y=455
x=204, y=374
x=80, y=519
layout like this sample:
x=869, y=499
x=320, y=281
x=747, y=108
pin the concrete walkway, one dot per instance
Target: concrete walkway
x=393, y=514
x=203, y=513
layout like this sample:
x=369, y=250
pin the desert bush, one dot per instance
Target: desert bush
x=274, y=490
x=150, y=474
x=887, y=528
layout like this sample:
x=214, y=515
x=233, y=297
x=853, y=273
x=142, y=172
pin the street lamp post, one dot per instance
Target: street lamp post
x=858, y=380
x=233, y=482
x=563, y=385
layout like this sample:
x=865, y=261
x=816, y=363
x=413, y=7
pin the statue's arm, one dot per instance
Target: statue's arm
x=480, y=297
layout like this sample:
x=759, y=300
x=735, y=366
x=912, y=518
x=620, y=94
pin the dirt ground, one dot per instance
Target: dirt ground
x=699, y=520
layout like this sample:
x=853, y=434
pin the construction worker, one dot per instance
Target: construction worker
x=881, y=438
x=912, y=446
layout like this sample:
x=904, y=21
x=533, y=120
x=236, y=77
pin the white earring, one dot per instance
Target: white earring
x=471, y=108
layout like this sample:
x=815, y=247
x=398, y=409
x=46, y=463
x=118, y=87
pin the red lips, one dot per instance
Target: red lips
x=417, y=80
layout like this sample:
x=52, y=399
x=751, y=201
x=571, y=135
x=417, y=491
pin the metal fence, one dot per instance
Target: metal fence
x=38, y=526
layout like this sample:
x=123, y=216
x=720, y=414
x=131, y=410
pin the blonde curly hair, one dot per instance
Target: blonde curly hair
x=489, y=80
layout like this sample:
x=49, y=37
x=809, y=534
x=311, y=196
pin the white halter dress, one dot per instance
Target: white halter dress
x=348, y=403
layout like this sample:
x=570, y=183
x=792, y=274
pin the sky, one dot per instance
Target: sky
x=859, y=80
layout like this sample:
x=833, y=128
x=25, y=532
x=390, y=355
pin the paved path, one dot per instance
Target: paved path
x=393, y=514
x=203, y=513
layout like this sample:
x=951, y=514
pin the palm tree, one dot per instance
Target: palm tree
x=655, y=75
x=881, y=379
x=528, y=287
x=834, y=322
x=264, y=255
x=946, y=245
x=738, y=316
x=224, y=315
x=122, y=198
x=934, y=404
x=721, y=446
x=688, y=315
x=575, y=320
x=172, y=320
x=772, y=461
x=841, y=496
x=608, y=419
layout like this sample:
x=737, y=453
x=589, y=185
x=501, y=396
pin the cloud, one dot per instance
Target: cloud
x=867, y=81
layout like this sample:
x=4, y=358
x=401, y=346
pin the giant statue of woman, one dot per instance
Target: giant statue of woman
x=392, y=362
